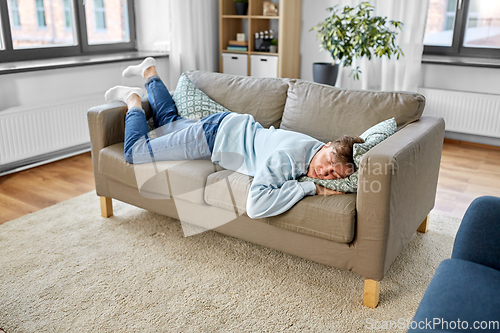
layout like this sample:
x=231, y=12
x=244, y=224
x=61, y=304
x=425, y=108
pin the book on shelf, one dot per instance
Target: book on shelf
x=238, y=43
x=237, y=48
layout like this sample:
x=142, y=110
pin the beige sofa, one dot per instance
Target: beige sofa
x=362, y=232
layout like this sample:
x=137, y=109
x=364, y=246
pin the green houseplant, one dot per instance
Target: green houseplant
x=273, y=48
x=353, y=33
x=241, y=7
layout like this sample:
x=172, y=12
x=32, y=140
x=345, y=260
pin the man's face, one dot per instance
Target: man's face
x=324, y=165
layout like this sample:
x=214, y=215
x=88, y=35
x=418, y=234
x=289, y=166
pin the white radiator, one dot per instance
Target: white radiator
x=26, y=132
x=464, y=112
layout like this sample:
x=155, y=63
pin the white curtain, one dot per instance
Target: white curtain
x=194, y=42
x=393, y=74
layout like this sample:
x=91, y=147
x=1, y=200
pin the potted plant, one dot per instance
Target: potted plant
x=351, y=34
x=273, y=48
x=241, y=7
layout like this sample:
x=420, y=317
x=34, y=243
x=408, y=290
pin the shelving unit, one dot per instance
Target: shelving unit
x=288, y=24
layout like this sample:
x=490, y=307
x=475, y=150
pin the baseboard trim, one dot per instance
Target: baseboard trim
x=43, y=159
x=471, y=144
x=472, y=140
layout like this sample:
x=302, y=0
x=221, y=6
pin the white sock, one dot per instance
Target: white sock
x=122, y=93
x=138, y=70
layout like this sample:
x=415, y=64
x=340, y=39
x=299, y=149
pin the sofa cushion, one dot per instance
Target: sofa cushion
x=330, y=217
x=229, y=190
x=186, y=179
x=191, y=102
x=263, y=98
x=326, y=113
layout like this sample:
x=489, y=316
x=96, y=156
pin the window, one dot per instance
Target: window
x=40, y=14
x=463, y=28
x=100, y=15
x=40, y=29
x=14, y=12
x=42, y=26
x=68, y=19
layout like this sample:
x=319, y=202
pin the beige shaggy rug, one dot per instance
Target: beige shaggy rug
x=67, y=269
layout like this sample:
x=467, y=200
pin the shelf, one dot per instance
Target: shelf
x=236, y=16
x=260, y=17
x=251, y=52
x=264, y=17
x=264, y=53
x=230, y=51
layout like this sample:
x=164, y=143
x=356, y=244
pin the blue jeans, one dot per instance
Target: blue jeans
x=177, y=138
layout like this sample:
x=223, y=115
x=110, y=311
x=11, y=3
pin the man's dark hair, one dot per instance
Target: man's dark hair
x=342, y=148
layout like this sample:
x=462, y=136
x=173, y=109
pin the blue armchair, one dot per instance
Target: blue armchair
x=464, y=293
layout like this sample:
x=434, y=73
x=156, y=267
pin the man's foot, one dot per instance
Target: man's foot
x=138, y=70
x=122, y=93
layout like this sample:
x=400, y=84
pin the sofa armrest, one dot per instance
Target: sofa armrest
x=477, y=239
x=107, y=123
x=107, y=127
x=396, y=190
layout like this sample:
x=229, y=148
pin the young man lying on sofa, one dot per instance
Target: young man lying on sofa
x=274, y=157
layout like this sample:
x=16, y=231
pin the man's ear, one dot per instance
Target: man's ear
x=328, y=144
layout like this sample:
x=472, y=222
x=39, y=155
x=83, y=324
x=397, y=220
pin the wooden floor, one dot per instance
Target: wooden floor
x=467, y=172
x=30, y=190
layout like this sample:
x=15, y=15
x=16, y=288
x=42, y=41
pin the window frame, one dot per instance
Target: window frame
x=15, y=11
x=67, y=14
x=457, y=49
x=82, y=47
x=40, y=14
x=100, y=15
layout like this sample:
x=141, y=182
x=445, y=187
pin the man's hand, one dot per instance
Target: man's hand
x=320, y=190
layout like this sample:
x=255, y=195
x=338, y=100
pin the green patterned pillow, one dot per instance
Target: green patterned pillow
x=193, y=103
x=372, y=136
x=349, y=184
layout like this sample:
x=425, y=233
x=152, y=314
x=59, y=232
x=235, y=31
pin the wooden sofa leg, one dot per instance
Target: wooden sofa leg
x=424, y=226
x=371, y=293
x=106, y=207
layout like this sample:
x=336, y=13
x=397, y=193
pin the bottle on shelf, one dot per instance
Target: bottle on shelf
x=262, y=41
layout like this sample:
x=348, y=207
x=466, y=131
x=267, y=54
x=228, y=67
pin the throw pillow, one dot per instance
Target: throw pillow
x=372, y=136
x=347, y=185
x=193, y=103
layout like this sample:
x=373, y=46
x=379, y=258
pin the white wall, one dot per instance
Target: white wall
x=41, y=87
x=152, y=30
x=456, y=78
x=461, y=78
x=474, y=79
x=313, y=12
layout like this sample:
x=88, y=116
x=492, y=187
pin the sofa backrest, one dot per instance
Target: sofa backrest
x=326, y=113
x=263, y=98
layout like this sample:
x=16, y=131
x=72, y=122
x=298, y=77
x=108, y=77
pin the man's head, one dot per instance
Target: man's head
x=334, y=160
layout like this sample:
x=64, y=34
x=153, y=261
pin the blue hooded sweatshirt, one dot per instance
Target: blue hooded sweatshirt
x=274, y=157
